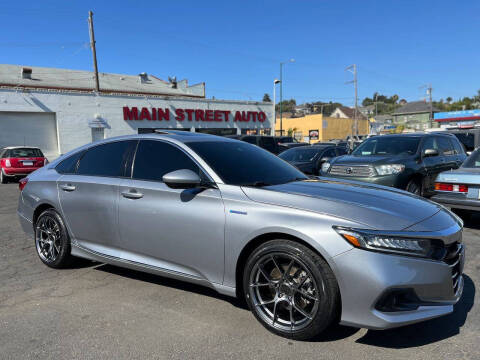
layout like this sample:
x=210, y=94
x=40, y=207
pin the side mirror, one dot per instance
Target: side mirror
x=430, y=152
x=182, y=179
x=325, y=159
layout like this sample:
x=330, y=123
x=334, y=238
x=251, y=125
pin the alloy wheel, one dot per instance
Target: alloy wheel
x=284, y=292
x=48, y=238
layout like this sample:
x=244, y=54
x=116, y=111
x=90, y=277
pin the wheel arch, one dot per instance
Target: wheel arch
x=257, y=241
x=39, y=209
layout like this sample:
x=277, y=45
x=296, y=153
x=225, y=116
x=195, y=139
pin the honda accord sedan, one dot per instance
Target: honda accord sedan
x=303, y=253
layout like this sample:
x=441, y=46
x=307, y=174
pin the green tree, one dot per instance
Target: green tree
x=266, y=98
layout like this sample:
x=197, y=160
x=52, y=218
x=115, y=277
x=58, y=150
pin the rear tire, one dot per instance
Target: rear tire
x=51, y=240
x=3, y=178
x=290, y=289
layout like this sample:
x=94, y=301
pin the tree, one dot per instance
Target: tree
x=449, y=100
x=266, y=98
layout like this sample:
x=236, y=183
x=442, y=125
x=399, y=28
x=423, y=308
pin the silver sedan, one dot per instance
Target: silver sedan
x=304, y=253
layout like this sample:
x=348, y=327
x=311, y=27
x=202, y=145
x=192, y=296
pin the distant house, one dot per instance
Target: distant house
x=368, y=110
x=302, y=109
x=344, y=112
x=414, y=115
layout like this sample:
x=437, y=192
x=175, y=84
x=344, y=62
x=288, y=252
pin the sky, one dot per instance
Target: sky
x=236, y=47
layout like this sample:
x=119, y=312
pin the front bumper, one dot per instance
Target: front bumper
x=396, y=180
x=365, y=277
x=457, y=201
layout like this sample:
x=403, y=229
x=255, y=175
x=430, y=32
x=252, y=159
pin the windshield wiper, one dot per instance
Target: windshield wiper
x=257, y=184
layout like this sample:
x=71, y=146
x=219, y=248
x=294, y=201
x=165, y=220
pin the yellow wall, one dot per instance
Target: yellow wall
x=328, y=127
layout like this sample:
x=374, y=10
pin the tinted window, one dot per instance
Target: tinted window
x=445, y=146
x=388, y=145
x=156, y=158
x=341, y=150
x=473, y=161
x=25, y=152
x=267, y=143
x=457, y=146
x=467, y=139
x=106, y=160
x=299, y=154
x=69, y=165
x=250, y=139
x=238, y=163
x=329, y=153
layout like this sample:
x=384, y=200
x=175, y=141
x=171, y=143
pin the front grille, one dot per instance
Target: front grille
x=453, y=258
x=348, y=170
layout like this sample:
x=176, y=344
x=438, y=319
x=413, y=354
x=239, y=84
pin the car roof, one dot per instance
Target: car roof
x=20, y=147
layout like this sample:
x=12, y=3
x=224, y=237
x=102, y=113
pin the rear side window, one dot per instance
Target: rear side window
x=445, y=146
x=106, y=160
x=267, y=143
x=157, y=158
x=69, y=165
x=467, y=139
x=25, y=152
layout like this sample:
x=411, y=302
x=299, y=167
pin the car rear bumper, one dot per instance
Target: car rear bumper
x=367, y=278
x=18, y=171
x=457, y=201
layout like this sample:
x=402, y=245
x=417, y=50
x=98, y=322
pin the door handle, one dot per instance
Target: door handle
x=132, y=195
x=68, y=187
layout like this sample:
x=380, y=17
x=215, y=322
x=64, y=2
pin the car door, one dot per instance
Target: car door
x=175, y=230
x=433, y=165
x=89, y=196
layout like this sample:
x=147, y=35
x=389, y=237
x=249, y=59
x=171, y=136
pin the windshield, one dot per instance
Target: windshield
x=299, y=154
x=388, y=145
x=239, y=163
x=473, y=161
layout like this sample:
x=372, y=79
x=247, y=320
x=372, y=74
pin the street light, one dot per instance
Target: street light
x=275, y=82
x=281, y=92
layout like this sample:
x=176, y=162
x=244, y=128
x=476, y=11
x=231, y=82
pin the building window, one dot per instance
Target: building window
x=98, y=134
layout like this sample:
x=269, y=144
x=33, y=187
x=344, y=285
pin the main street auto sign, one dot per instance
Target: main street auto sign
x=164, y=114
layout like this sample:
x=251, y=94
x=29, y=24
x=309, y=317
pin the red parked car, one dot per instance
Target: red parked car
x=19, y=161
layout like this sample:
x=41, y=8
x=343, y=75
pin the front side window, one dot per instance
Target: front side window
x=445, y=146
x=330, y=153
x=299, y=154
x=430, y=143
x=239, y=163
x=106, y=159
x=157, y=158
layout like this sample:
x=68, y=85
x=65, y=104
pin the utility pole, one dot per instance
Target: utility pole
x=94, y=50
x=281, y=93
x=431, y=104
x=353, y=69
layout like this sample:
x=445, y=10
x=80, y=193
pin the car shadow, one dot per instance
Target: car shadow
x=427, y=332
x=404, y=337
x=472, y=221
x=171, y=283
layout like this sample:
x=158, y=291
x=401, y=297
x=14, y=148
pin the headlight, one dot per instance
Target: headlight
x=371, y=240
x=325, y=166
x=389, y=169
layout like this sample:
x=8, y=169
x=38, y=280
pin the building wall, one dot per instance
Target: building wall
x=75, y=112
x=328, y=127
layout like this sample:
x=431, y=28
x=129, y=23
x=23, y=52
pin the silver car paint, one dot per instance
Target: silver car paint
x=199, y=237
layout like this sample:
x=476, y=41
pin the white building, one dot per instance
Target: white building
x=58, y=110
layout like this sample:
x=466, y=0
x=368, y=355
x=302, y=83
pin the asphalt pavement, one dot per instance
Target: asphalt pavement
x=97, y=311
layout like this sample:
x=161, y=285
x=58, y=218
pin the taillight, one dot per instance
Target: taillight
x=7, y=163
x=22, y=183
x=451, y=187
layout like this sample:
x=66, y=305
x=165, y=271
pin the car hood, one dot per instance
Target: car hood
x=376, y=207
x=368, y=159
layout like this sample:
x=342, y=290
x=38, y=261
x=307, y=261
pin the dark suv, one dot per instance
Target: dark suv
x=405, y=161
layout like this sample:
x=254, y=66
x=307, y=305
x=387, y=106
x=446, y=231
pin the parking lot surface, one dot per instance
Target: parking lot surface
x=96, y=311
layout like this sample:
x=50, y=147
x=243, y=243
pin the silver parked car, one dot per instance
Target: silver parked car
x=460, y=189
x=302, y=252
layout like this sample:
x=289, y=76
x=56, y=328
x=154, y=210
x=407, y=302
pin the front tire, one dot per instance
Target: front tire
x=415, y=186
x=290, y=289
x=51, y=240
